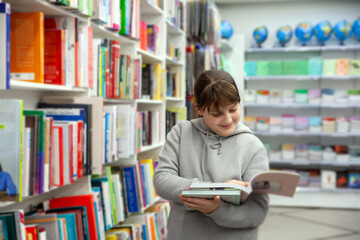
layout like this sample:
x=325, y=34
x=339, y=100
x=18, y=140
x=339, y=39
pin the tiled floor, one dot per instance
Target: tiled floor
x=310, y=224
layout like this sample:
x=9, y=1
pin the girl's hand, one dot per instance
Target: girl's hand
x=203, y=205
x=238, y=182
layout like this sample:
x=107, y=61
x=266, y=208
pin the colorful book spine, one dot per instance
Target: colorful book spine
x=131, y=190
x=4, y=46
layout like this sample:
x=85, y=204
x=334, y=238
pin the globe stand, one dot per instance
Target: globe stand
x=259, y=45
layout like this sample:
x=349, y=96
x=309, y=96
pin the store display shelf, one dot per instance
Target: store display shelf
x=303, y=49
x=21, y=85
x=151, y=147
x=173, y=62
x=311, y=134
x=301, y=78
x=293, y=163
x=148, y=8
x=102, y=32
x=148, y=57
x=302, y=105
x=172, y=29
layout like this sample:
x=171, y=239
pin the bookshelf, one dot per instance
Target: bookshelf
x=33, y=93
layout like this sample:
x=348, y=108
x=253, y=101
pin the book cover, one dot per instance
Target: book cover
x=4, y=46
x=86, y=201
x=47, y=221
x=273, y=182
x=11, y=134
x=14, y=221
x=54, y=57
x=262, y=68
x=355, y=67
x=342, y=66
x=315, y=66
x=302, y=67
x=275, y=68
x=32, y=232
x=125, y=17
x=289, y=68
x=329, y=67
x=132, y=193
x=27, y=47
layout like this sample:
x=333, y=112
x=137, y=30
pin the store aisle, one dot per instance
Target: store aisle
x=310, y=224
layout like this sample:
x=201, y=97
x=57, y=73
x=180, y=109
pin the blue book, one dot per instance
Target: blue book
x=106, y=136
x=132, y=195
x=250, y=68
x=147, y=199
x=61, y=229
x=4, y=46
x=70, y=225
x=315, y=66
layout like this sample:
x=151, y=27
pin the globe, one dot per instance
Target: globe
x=226, y=29
x=284, y=34
x=356, y=28
x=304, y=32
x=342, y=30
x=322, y=31
x=260, y=34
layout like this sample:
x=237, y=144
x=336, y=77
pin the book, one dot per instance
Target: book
x=48, y=221
x=273, y=182
x=27, y=47
x=11, y=126
x=4, y=46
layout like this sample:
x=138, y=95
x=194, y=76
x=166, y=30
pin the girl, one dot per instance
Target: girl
x=213, y=148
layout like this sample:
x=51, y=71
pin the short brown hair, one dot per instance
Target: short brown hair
x=214, y=89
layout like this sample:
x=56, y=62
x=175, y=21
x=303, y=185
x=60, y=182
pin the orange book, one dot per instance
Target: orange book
x=27, y=47
x=342, y=66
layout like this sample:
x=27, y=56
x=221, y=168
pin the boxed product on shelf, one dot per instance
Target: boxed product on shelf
x=342, y=179
x=328, y=125
x=314, y=124
x=328, y=179
x=328, y=67
x=250, y=122
x=301, y=96
x=342, y=154
x=288, y=122
x=288, y=151
x=275, y=95
x=301, y=123
x=342, y=124
x=288, y=96
x=341, y=96
x=328, y=154
x=250, y=95
x=262, y=96
x=315, y=66
x=289, y=68
x=262, y=123
x=275, y=154
x=275, y=124
x=354, y=152
x=301, y=152
x=354, y=124
x=250, y=68
x=302, y=67
x=342, y=66
x=354, y=95
x=262, y=68
x=275, y=68
x=354, y=181
x=327, y=95
x=315, y=153
x=314, y=96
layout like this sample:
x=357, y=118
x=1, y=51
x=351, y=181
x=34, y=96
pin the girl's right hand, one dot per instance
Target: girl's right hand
x=238, y=182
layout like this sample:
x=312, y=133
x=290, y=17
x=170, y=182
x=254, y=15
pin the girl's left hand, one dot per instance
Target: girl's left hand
x=203, y=205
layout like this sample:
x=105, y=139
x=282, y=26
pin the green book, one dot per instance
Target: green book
x=275, y=68
x=302, y=67
x=315, y=66
x=125, y=17
x=8, y=225
x=289, y=68
x=262, y=68
x=112, y=194
x=329, y=67
x=355, y=67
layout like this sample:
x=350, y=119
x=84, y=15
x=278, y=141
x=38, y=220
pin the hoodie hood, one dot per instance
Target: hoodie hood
x=200, y=125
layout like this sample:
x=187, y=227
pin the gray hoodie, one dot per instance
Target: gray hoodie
x=194, y=153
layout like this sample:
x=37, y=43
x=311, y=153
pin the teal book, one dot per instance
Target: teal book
x=289, y=68
x=315, y=66
x=329, y=67
x=302, y=67
x=8, y=224
x=70, y=225
x=250, y=68
x=275, y=68
x=262, y=68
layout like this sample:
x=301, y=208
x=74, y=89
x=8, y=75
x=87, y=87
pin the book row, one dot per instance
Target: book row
x=149, y=37
x=303, y=96
x=329, y=179
x=314, y=67
x=313, y=124
x=176, y=14
x=315, y=153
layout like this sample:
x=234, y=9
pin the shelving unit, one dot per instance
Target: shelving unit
x=32, y=93
x=307, y=197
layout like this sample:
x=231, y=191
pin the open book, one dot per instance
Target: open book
x=273, y=182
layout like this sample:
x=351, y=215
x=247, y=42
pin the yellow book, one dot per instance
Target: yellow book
x=110, y=237
x=150, y=163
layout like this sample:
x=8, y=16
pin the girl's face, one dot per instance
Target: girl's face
x=223, y=122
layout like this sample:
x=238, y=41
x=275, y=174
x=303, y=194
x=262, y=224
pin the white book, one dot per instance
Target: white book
x=26, y=161
x=125, y=122
x=100, y=213
x=328, y=179
x=4, y=46
x=96, y=57
x=67, y=159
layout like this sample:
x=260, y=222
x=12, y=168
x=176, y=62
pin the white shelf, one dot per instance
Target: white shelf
x=148, y=101
x=302, y=105
x=174, y=99
x=172, y=30
x=316, y=197
x=151, y=147
x=173, y=62
x=148, y=8
x=102, y=32
x=21, y=85
x=301, y=78
x=311, y=134
x=148, y=57
x=303, y=49
x=310, y=163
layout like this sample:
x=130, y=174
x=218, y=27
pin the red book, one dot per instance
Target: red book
x=32, y=232
x=80, y=150
x=58, y=158
x=115, y=64
x=54, y=71
x=81, y=200
x=143, y=35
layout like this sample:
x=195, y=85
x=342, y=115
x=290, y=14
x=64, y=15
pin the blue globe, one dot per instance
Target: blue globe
x=284, y=34
x=260, y=34
x=356, y=28
x=304, y=32
x=226, y=29
x=323, y=31
x=342, y=30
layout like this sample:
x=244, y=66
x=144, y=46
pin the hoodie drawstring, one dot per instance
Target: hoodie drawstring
x=217, y=146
